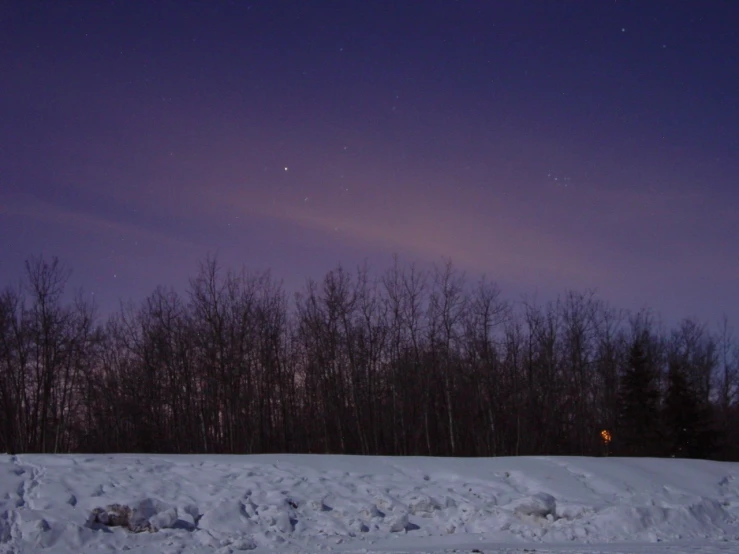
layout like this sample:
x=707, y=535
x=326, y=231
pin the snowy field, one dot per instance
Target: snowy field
x=280, y=503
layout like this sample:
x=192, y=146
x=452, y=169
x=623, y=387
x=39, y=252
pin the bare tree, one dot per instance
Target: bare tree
x=484, y=324
x=15, y=352
x=413, y=363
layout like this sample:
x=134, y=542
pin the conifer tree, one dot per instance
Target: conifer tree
x=638, y=421
x=687, y=421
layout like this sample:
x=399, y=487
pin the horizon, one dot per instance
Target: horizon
x=106, y=308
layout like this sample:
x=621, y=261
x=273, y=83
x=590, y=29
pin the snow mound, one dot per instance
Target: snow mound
x=537, y=505
x=145, y=515
x=198, y=504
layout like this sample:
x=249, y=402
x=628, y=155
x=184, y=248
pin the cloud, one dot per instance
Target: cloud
x=26, y=206
x=497, y=244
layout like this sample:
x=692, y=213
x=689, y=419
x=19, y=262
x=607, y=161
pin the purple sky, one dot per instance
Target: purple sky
x=547, y=144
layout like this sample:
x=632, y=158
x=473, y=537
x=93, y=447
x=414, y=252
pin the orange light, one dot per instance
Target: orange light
x=605, y=434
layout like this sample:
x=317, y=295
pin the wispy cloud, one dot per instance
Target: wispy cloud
x=26, y=206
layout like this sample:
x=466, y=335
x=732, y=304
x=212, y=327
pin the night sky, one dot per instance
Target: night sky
x=550, y=145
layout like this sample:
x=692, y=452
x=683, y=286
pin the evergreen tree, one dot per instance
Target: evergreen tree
x=638, y=421
x=687, y=421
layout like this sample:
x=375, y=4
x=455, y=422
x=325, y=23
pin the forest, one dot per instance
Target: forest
x=412, y=361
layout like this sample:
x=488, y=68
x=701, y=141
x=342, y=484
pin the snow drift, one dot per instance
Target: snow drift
x=194, y=504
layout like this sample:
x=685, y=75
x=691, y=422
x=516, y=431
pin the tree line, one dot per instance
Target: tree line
x=409, y=362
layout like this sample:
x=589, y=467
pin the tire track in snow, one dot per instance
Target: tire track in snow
x=635, y=548
x=10, y=519
x=586, y=479
x=29, y=485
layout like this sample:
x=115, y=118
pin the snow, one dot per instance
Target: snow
x=301, y=503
